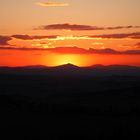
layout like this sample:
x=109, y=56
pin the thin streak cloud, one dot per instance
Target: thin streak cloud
x=52, y=4
x=76, y=50
x=77, y=27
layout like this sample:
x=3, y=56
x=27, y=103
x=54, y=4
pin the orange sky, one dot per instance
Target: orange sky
x=68, y=31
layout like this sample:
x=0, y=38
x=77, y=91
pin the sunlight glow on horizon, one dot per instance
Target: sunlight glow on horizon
x=80, y=32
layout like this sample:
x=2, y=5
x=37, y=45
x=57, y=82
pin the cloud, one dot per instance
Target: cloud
x=67, y=26
x=103, y=51
x=76, y=27
x=27, y=37
x=4, y=40
x=52, y=4
x=135, y=35
x=76, y=50
x=59, y=50
x=122, y=27
x=137, y=45
x=132, y=52
x=69, y=50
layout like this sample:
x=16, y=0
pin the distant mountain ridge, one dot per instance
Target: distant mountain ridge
x=70, y=69
x=67, y=66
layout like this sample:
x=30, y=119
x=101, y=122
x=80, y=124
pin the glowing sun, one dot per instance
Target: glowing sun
x=67, y=59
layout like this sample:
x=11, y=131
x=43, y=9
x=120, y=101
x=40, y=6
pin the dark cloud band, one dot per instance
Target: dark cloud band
x=76, y=50
x=27, y=37
x=4, y=40
x=119, y=36
x=76, y=27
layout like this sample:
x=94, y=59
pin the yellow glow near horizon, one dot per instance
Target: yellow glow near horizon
x=65, y=59
x=72, y=37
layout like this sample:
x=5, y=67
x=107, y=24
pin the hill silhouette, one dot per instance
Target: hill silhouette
x=70, y=102
x=70, y=69
x=67, y=66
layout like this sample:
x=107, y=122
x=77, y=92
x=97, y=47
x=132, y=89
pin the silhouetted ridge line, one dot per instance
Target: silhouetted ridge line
x=67, y=66
x=72, y=70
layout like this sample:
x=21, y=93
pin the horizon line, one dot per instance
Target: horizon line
x=47, y=66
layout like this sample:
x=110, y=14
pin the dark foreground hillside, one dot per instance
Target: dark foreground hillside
x=69, y=107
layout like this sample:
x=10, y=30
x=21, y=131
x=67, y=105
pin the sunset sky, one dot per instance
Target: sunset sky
x=81, y=32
